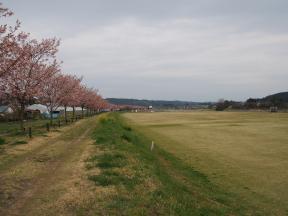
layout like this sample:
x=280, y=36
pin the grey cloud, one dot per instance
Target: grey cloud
x=168, y=49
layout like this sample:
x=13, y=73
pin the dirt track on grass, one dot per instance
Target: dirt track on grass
x=50, y=178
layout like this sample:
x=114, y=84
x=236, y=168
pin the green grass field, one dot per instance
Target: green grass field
x=244, y=153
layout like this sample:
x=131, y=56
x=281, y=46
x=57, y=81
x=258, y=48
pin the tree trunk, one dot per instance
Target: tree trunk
x=21, y=116
x=73, y=112
x=82, y=112
x=65, y=113
x=51, y=117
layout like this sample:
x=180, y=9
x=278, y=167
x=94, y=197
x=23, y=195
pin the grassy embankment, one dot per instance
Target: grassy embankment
x=133, y=180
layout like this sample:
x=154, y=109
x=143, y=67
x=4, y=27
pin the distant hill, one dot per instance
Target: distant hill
x=279, y=99
x=282, y=97
x=158, y=103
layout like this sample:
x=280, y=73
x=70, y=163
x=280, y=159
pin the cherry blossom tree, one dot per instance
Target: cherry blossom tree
x=25, y=81
x=91, y=100
x=29, y=71
x=9, y=39
x=96, y=103
x=53, y=92
x=71, y=93
x=83, y=93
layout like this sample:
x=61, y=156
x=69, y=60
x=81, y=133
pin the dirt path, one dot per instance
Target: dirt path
x=49, y=179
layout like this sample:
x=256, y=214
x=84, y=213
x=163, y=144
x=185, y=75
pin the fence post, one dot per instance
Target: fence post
x=30, y=132
x=59, y=124
x=47, y=127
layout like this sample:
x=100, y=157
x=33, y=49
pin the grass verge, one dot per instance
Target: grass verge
x=138, y=181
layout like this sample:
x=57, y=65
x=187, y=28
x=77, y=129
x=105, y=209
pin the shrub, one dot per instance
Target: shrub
x=2, y=141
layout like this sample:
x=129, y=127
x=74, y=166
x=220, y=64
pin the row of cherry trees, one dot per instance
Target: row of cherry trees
x=30, y=72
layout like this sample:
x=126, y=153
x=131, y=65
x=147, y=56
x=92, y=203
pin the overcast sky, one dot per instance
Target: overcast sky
x=197, y=50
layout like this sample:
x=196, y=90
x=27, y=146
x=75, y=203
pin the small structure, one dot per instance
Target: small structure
x=150, y=108
x=5, y=110
x=6, y=113
x=274, y=109
x=78, y=110
x=41, y=110
x=55, y=114
x=38, y=107
x=37, y=110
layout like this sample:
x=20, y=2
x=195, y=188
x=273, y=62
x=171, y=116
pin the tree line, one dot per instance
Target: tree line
x=278, y=101
x=30, y=71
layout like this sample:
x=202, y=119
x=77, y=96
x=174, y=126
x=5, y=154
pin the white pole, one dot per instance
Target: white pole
x=152, y=146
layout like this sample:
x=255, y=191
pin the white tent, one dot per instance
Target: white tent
x=42, y=109
x=5, y=109
x=69, y=109
x=62, y=108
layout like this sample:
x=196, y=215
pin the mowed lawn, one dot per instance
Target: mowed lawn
x=244, y=152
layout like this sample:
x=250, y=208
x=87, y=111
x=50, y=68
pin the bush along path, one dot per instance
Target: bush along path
x=130, y=179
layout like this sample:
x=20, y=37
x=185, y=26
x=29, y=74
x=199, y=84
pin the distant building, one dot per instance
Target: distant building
x=274, y=109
